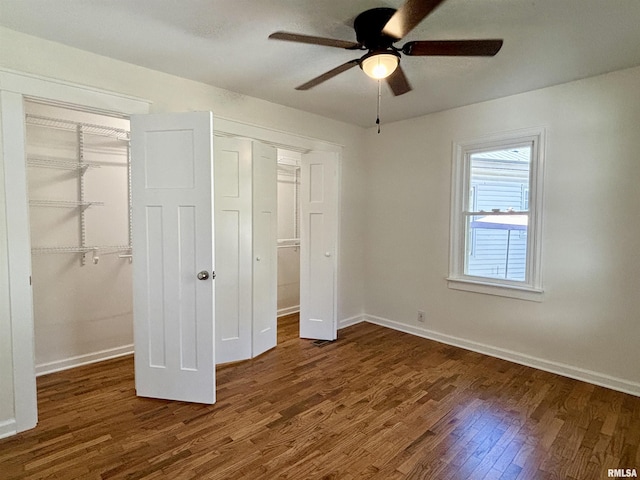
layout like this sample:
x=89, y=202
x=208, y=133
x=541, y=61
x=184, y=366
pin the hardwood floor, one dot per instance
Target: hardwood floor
x=375, y=404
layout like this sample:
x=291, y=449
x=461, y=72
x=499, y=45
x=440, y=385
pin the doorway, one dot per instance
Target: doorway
x=79, y=216
x=275, y=225
x=288, y=179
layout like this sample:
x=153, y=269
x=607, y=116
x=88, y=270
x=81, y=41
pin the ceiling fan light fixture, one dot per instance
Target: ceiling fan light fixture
x=380, y=65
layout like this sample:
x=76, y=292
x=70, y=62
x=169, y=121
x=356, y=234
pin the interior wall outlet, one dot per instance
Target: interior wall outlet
x=421, y=316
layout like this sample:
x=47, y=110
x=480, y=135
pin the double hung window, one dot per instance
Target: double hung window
x=496, y=215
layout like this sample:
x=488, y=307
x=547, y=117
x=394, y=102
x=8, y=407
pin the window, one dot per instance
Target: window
x=496, y=215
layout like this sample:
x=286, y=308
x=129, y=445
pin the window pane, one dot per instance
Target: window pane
x=500, y=180
x=497, y=246
x=497, y=241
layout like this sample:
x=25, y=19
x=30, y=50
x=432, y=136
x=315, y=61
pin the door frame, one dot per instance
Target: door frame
x=15, y=87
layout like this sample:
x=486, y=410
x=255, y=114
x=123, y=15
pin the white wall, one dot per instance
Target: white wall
x=82, y=313
x=170, y=93
x=588, y=323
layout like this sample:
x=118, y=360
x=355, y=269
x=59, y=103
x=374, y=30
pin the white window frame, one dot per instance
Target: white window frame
x=531, y=287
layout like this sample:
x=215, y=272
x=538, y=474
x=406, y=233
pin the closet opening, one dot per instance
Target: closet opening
x=78, y=179
x=288, y=193
x=65, y=236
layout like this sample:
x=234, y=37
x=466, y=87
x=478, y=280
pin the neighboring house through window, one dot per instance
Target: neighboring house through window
x=496, y=215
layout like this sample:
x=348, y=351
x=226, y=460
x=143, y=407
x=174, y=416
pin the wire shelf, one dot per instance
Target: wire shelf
x=59, y=163
x=82, y=131
x=63, y=203
x=101, y=250
x=87, y=128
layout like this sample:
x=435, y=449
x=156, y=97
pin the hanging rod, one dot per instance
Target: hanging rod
x=287, y=166
x=282, y=240
x=88, y=128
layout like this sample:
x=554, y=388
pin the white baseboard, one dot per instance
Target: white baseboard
x=8, y=428
x=67, y=363
x=288, y=310
x=570, y=371
x=347, y=322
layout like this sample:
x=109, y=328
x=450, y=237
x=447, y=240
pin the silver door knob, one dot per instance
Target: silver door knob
x=327, y=254
x=203, y=275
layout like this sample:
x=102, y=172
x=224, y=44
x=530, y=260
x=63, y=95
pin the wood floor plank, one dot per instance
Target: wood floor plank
x=375, y=404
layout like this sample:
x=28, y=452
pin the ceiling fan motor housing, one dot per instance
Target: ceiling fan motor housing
x=368, y=26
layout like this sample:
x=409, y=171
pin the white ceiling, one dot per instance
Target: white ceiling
x=224, y=43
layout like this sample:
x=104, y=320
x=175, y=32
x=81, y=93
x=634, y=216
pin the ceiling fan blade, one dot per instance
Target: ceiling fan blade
x=398, y=82
x=470, y=48
x=408, y=16
x=327, y=75
x=327, y=42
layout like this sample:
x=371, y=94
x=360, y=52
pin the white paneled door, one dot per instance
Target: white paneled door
x=171, y=184
x=233, y=232
x=318, y=245
x=265, y=249
x=246, y=248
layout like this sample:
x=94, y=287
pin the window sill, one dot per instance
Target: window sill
x=499, y=289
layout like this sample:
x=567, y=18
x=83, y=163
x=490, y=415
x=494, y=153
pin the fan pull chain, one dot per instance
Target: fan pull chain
x=379, y=97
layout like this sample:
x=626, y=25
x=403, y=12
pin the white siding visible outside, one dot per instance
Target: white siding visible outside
x=498, y=183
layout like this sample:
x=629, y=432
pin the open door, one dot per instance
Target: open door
x=265, y=248
x=171, y=185
x=318, y=245
x=246, y=246
x=233, y=288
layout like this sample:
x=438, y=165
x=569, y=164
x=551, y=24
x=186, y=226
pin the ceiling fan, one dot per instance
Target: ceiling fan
x=377, y=30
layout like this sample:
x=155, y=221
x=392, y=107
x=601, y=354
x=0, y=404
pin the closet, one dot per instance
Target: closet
x=71, y=233
x=288, y=232
x=79, y=183
x=79, y=198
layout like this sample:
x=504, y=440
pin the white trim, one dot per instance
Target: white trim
x=501, y=290
x=577, y=373
x=271, y=136
x=14, y=88
x=53, y=89
x=347, y=322
x=7, y=428
x=95, y=357
x=19, y=259
x=288, y=310
x=531, y=288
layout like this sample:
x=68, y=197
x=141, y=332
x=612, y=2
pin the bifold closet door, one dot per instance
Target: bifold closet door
x=265, y=249
x=318, y=245
x=233, y=232
x=171, y=180
x=246, y=248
